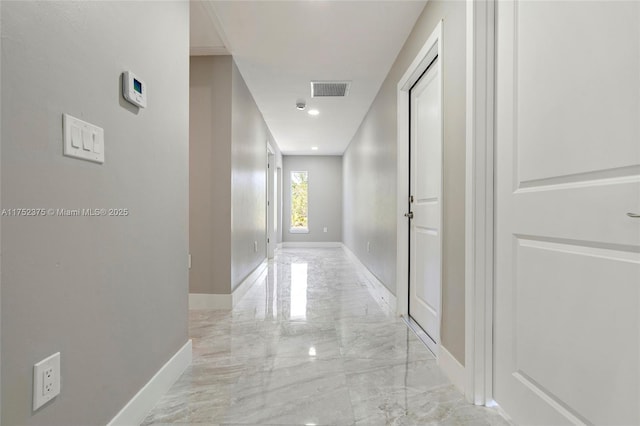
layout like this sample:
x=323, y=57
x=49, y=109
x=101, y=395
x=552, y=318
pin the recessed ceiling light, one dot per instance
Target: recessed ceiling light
x=314, y=148
x=314, y=112
x=301, y=105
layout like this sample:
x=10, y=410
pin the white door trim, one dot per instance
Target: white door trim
x=271, y=239
x=268, y=244
x=425, y=56
x=479, y=201
x=478, y=193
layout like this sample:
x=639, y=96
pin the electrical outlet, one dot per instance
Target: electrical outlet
x=368, y=247
x=325, y=229
x=46, y=380
x=255, y=246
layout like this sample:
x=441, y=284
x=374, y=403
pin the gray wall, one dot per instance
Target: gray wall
x=228, y=140
x=325, y=197
x=210, y=174
x=0, y=223
x=109, y=293
x=1, y=205
x=249, y=137
x=370, y=170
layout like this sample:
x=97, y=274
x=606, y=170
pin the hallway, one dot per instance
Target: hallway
x=310, y=345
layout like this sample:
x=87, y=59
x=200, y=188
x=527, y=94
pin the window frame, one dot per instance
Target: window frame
x=297, y=230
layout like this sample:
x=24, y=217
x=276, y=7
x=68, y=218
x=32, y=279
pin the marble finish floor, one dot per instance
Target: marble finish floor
x=309, y=345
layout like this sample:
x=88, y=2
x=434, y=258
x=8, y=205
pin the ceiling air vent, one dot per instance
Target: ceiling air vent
x=330, y=88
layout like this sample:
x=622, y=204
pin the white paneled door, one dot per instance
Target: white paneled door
x=567, y=289
x=425, y=237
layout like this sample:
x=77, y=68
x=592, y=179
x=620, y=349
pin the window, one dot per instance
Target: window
x=299, y=202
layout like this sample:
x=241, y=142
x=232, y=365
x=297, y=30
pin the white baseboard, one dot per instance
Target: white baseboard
x=311, y=244
x=378, y=290
x=247, y=283
x=209, y=301
x=227, y=301
x=139, y=406
x=452, y=368
x=279, y=246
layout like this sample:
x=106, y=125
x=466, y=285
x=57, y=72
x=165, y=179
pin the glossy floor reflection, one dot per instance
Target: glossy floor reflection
x=309, y=345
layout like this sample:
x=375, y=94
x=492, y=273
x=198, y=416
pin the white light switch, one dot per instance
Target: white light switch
x=97, y=145
x=82, y=140
x=75, y=137
x=87, y=140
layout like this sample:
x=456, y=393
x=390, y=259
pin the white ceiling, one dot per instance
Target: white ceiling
x=204, y=38
x=280, y=46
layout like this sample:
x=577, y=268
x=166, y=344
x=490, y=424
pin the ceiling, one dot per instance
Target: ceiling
x=204, y=38
x=281, y=46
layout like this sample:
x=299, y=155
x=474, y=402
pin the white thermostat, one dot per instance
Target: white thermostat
x=134, y=90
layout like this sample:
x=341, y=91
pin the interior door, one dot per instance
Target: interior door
x=567, y=289
x=425, y=239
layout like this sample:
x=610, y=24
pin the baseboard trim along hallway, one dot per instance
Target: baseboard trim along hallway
x=311, y=244
x=452, y=368
x=141, y=404
x=209, y=301
x=199, y=301
x=378, y=290
x=246, y=284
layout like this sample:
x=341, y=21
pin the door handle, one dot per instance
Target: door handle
x=636, y=215
x=409, y=215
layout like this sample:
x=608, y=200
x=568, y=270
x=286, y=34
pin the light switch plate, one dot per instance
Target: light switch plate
x=82, y=140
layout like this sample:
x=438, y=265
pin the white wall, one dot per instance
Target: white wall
x=109, y=293
x=325, y=197
x=370, y=170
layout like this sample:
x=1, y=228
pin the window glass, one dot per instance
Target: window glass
x=299, y=201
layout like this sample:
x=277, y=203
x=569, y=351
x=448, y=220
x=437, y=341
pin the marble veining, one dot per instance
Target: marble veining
x=309, y=345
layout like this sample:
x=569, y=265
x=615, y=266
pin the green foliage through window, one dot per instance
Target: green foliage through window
x=299, y=199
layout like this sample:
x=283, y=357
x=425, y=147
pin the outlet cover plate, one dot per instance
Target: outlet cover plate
x=46, y=380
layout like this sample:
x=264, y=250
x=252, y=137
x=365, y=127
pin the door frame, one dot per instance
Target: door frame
x=479, y=201
x=270, y=240
x=479, y=192
x=431, y=49
x=279, y=201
